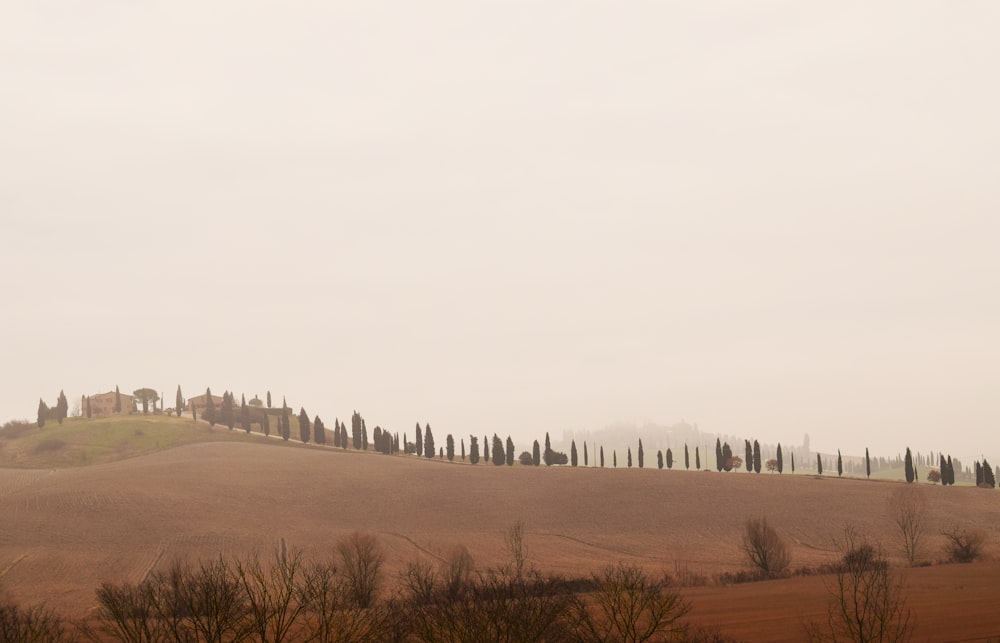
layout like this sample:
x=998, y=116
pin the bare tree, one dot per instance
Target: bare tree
x=627, y=606
x=37, y=624
x=514, y=539
x=275, y=595
x=964, y=545
x=908, y=507
x=332, y=615
x=456, y=570
x=867, y=601
x=361, y=561
x=764, y=548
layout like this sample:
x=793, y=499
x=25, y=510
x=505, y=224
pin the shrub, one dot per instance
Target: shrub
x=764, y=548
x=964, y=545
x=49, y=445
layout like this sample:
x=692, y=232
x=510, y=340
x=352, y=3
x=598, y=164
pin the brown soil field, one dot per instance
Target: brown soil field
x=67, y=530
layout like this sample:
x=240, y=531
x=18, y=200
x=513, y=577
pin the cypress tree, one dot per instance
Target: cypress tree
x=718, y=455
x=697, y=459
x=840, y=464
x=227, y=413
x=639, y=454
x=269, y=399
x=536, y=458
x=473, y=449
x=908, y=466
x=118, y=400
x=319, y=431
x=614, y=458
x=510, y=452
x=781, y=462
x=62, y=407
x=868, y=464
x=428, y=442
x=547, y=454
x=793, y=462
x=585, y=462
x=659, y=459
x=572, y=453
x=336, y=432
x=88, y=407
x=343, y=436
x=364, y=435
x=499, y=455
x=449, y=443
x=756, y=456
x=727, y=457
x=670, y=459
x=179, y=401
x=463, y=449
x=748, y=462
x=486, y=449
x=209, y=413
x=43, y=412
x=819, y=465
x=304, y=428
x=951, y=471
x=356, y=431
x=630, y=457
x=419, y=440
x=245, y=414
x=602, y=456
x=687, y=458
x=286, y=424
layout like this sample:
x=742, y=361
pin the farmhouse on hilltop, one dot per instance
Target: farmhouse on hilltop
x=104, y=403
x=199, y=402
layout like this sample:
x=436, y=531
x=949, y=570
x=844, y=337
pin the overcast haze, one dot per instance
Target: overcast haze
x=770, y=218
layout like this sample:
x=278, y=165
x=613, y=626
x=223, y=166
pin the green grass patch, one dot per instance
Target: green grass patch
x=81, y=442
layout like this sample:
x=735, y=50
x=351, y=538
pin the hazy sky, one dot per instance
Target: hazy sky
x=767, y=217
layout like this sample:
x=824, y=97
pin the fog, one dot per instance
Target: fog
x=769, y=218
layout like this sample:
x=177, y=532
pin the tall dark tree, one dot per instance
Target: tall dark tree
x=62, y=407
x=908, y=466
x=463, y=449
x=586, y=463
x=244, y=414
x=510, y=452
x=419, y=443
x=756, y=456
x=343, y=436
x=209, y=414
x=697, y=459
x=269, y=399
x=793, y=461
x=356, y=431
x=614, y=458
x=748, y=462
x=602, y=456
x=630, y=457
x=319, y=431
x=536, y=456
x=659, y=459
x=639, y=454
x=572, y=453
x=364, y=435
x=304, y=429
x=547, y=454
x=989, y=476
x=486, y=449
x=449, y=443
x=781, y=461
x=179, y=401
x=868, y=464
x=336, y=432
x=43, y=412
x=951, y=471
x=286, y=423
x=718, y=455
x=687, y=458
x=227, y=413
x=670, y=458
x=118, y=400
x=428, y=442
x=840, y=464
x=473, y=449
x=727, y=457
x=499, y=455
x=88, y=407
x=819, y=465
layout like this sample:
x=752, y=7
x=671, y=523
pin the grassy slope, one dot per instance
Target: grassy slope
x=81, y=442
